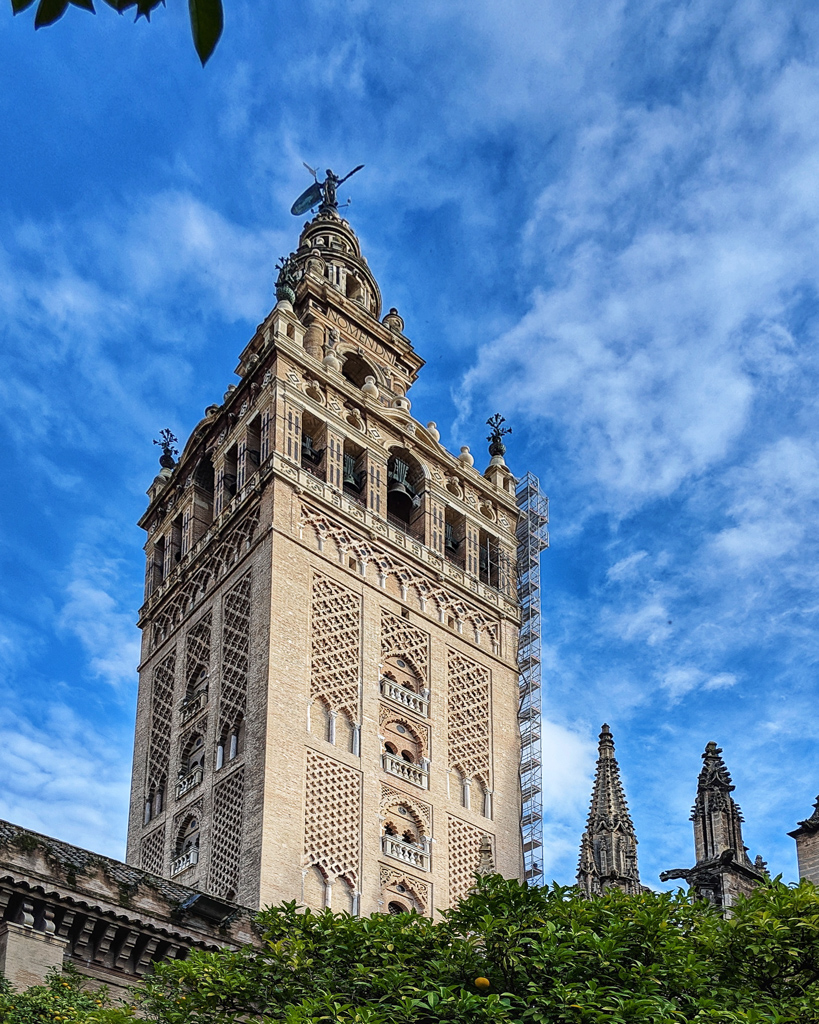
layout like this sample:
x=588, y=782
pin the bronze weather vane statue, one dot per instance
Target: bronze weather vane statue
x=321, y=193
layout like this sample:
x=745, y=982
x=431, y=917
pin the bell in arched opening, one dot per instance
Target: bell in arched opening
x=402, y=497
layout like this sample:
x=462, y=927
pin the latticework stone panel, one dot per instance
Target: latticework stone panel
x=431, y=596
x=332, y=818
x=197, y=650
x=235, y=652
x=400, y=639
x=208, y=572
x=159, y=756
x=464, y=842
x=468, y=717
x=226, y=845
x=152, y=855
x=336, y=646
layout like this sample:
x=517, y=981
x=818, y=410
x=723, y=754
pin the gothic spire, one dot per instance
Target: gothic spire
x=716, y=815
x=723, y=868
x=608, y=849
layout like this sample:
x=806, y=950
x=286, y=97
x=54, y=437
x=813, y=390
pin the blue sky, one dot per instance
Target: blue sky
x=601, y=219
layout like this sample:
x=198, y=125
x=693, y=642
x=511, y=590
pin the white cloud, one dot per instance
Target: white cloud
x=627, y=568
x=568, y=766
x=64, y=778
x=93, y=610
x=773, y=503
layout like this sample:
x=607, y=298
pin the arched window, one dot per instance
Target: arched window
x=193, y=754
x=186, y=849
x=455, y=537
x=154, y=801
x=401, y=897
x=355, y=369
x=197, y=683
x=401, y=741
x=231, y=743
x=313, y=445
x=402, y=673
x=354, y=290
x=404, y=836
x=354, y=472
x=405, y=493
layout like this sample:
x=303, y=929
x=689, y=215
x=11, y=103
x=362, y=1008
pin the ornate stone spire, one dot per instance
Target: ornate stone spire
x=608, y=849
x=723, y=869
x=716, y=816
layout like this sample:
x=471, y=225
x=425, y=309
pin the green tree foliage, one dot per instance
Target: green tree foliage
x=550, y=956
x=62, y=1000
x=207, y=19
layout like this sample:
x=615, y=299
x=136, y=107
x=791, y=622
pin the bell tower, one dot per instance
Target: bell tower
x=328, y=693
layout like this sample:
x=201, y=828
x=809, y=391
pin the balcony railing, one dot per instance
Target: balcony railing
x=405, y=770
x=193, y=705
x=408, y=699
x=189, y=781
x=187, y=860
x=415, y=856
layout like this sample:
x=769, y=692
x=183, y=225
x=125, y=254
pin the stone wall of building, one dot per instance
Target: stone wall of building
x=62, y=904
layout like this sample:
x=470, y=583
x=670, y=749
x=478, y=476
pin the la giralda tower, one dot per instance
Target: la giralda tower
x=328, y=697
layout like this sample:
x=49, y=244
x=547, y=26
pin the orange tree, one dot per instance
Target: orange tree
x=550, y=956
x=62, y=1000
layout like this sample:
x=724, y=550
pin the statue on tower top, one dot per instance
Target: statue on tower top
x=321, y=193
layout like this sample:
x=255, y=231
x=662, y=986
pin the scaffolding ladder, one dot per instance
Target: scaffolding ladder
x=532, y=537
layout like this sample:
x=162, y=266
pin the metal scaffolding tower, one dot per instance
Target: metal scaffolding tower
x=532, y=537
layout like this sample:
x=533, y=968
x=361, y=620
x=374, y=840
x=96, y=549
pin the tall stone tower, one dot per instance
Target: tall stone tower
x=608, y=849
x=328, y=692
x=723, y=869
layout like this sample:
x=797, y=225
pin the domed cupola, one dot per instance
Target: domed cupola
x=328, y=248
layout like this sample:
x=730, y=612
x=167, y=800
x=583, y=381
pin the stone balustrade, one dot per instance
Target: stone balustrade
x=408, y=853
x=405, y=770
x=406, y=698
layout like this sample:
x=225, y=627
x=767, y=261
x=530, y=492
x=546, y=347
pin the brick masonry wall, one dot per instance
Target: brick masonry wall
x=807, y=852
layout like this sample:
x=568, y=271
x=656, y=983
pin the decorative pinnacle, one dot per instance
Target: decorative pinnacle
x=289, y=276
x=606, y=744
x=495, y=439
x=168, y=444
x=714, y=771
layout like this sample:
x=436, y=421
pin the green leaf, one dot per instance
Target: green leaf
x=49, y=11
x=20, y=5
x=87, y=5
x=207, y=21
